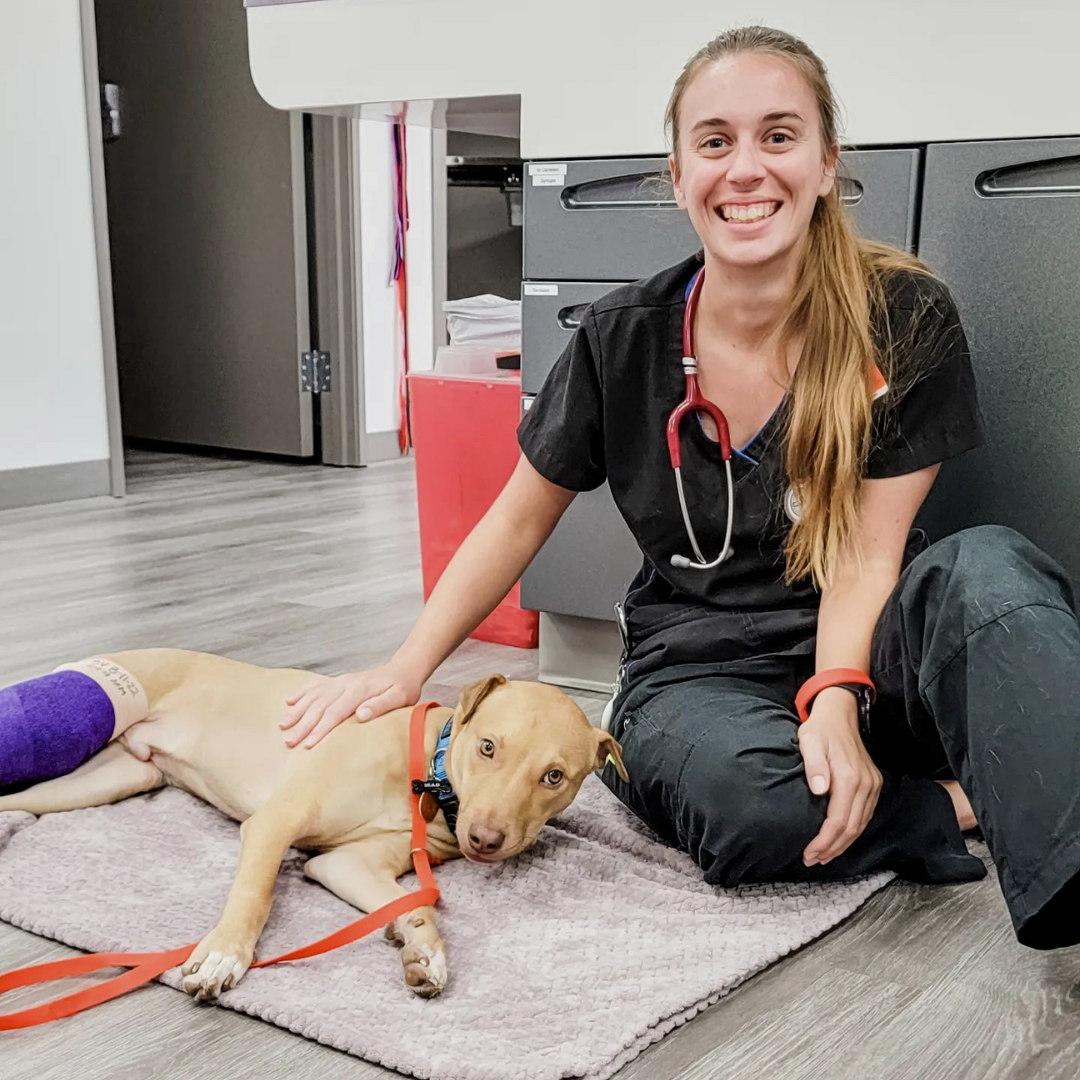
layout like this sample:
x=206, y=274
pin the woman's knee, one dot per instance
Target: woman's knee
x=997, y=558
x=986, y=571
x=715, y=769
x=746, y=818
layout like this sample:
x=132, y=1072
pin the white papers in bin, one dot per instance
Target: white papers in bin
x=484, y=320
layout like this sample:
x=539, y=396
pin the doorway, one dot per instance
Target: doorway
x=210, y=234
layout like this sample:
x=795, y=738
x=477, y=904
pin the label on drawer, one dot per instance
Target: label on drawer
x=532, y=288
x=547, y=173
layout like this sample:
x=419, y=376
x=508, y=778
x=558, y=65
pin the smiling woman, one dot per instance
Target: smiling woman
x=757, y=179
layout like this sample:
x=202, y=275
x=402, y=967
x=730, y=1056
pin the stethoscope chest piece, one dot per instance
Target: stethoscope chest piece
x=792, y=506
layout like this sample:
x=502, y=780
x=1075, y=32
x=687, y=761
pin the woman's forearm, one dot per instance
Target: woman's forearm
x=848, y=614
x=867, y=574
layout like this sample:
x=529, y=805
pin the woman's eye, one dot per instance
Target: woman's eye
x=778, y=138
x=487, y=748
x=715, y=143
x=553, y=777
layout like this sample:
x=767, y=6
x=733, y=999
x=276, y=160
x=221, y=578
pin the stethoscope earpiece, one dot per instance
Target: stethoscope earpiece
x=681, y=562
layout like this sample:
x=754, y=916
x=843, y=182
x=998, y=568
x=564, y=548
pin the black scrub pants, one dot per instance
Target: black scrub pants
x=976, y=658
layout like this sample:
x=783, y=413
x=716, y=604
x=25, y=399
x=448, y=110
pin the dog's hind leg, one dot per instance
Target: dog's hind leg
x=364, y=874
x=110, y=775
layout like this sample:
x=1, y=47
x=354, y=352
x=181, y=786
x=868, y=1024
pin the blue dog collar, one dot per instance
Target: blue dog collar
x=438, y=783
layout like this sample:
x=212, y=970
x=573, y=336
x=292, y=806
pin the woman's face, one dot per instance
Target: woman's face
x=751, y=163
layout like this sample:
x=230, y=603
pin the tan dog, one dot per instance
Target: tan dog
x=518, y=754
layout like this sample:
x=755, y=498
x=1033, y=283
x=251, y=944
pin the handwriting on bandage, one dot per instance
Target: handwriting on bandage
x=117, y=677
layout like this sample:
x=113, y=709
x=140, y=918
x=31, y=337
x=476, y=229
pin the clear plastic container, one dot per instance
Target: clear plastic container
x=465, y=360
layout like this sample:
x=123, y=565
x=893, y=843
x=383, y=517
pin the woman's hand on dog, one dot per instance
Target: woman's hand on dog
x=319, y=708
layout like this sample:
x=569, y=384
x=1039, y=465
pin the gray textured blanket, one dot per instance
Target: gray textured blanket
x=565, y=962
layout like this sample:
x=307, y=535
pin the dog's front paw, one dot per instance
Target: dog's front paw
x=217, y=964
x=425, y=968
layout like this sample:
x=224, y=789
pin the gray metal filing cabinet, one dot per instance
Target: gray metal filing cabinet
x=602, y=220
x=590, y=558
x=1001, y=224
x=588, y=561
x=616, y=219
x=550, y=313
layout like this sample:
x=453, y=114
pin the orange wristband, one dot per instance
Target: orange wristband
x=858, y=682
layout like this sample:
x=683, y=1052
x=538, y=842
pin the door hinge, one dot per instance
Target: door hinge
x=111, y=128
x=315, y=372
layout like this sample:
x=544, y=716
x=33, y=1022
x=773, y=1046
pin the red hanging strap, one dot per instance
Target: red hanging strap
x=400, y=272
x=145, y=967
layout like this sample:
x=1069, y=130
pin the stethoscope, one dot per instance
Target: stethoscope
x=691, y=404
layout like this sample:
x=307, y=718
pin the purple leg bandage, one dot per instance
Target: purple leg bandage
x=50, y=726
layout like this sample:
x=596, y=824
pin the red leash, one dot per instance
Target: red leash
x=148, y=966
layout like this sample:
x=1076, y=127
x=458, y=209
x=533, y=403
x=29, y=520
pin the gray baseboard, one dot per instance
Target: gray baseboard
x=53, y=483
x=381, y=446
x=582, y=654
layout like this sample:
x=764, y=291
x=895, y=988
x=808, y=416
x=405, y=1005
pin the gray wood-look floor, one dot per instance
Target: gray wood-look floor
x=306, y=566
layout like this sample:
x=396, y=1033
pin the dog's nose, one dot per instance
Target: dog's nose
x=485, y=841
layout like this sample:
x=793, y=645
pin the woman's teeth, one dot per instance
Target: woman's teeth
x=750, y=212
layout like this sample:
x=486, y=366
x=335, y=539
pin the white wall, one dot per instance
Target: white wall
x=382, y=338
x=594, y=75
x=52, y=402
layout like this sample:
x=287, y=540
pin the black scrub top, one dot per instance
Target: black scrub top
x=602, y=414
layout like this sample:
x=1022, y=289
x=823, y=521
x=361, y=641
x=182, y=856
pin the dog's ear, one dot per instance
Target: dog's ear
x=608, y=747
x=474, y=693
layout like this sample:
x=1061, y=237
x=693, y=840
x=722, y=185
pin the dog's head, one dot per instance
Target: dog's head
x=519, y=752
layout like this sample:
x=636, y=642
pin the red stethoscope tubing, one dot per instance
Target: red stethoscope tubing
x=692, y=403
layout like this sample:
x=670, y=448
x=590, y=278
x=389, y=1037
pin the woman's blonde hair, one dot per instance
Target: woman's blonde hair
x=838, y=289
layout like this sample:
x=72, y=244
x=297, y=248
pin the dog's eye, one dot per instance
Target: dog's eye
x=487, y=748
x=553, y=777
